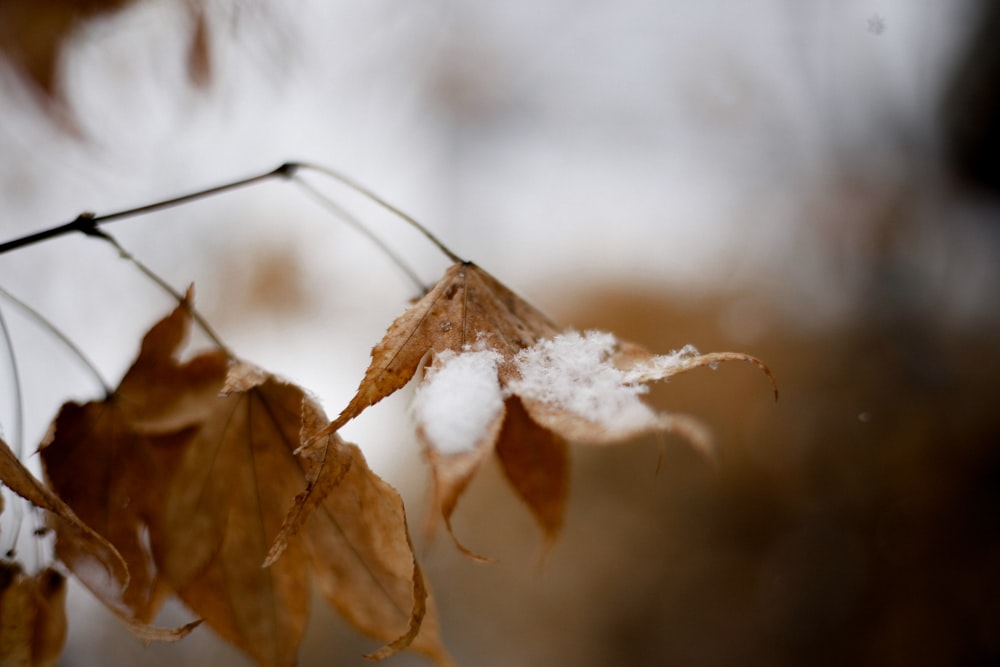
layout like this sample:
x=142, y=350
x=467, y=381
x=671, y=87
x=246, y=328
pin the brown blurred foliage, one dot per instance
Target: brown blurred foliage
x=33, y=36
x=187, y=471
x=32, y=616
x=856, y=522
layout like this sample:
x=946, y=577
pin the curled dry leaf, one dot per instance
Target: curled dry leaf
x=32, y=616
x=504, y=379
x=33, y=36
x=111, y=460
x=352, y=528
x=104, y=560
x=221, y=511
x=467, y=305
x=199, y=455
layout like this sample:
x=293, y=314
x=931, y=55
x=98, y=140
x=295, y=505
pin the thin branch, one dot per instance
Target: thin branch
x=63, y=338
x=166, y=287
x=15, y=379
x=354, y=185
x=343, y=214
x=87, y=223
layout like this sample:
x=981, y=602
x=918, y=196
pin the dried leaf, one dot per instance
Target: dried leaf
x=111, y=461
x=17, y=616
x=201, y=454
x=221, y=512
x=536, y=462
x=32, y=616
x=104, y=470
x=33, y=34
x=353, y=527
x=503, y=378
x=49, y=633
x=458, y=411
x=466, y=306
x=100, y=552
x=199, y=56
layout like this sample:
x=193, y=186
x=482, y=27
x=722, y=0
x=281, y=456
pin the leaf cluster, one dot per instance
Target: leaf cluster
x=214, y=481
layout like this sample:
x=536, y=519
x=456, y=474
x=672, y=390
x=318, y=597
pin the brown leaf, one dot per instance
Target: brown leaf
x=353, y=527
x=102, y=469
x=49, y=633
x=536, y=462
x=33, y=34
x=221, y=512
x=466, y=306
x=32, y=616
x=503, y=378
x=111, y=461
x=199, y=56
x=201, y=456
x=97, y=549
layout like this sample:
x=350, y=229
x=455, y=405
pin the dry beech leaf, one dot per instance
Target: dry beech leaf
x=111, y=461
x=33, y=34
x=224, y=547
x=200, y=454
x=466, y=306
x=104, y=561
x=360, y=552
x=536, y=462
x=32, y=616
x=199, y=56
x=504, y=379
x=222, y=510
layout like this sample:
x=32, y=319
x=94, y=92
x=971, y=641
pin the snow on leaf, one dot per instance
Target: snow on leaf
x=466, y=306
x=572, y=374
x=458, y=400
x=502, y=378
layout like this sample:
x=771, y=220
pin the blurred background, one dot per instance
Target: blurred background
x=813, y=183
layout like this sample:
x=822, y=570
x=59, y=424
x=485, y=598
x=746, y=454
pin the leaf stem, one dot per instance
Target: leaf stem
x=343, y=214
x=42, y=321
x=166, y=287
x=15, y=379
x=357, y=187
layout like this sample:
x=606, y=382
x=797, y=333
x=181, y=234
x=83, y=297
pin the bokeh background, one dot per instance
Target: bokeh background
x=814, y=183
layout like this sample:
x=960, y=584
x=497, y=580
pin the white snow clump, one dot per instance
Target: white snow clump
x=459, y=399
x=574, y=372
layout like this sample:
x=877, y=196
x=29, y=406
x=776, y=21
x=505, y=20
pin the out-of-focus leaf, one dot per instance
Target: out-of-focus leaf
x=221, y=512
x=504, y=378
x=104, y=560
x=32, y=616
x=111, y=460
x=33, y=34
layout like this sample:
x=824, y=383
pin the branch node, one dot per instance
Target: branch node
x=287, y=170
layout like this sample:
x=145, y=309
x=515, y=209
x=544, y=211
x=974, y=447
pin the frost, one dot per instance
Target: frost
x=575, y=372
x=459, y=399
x=662, y=365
